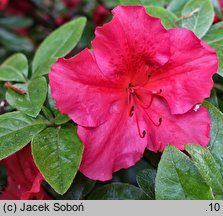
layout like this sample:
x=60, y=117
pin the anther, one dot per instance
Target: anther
x=143, y=134
x=157, y=92
x=131, y=113
x=131, y=89
x=160, y=122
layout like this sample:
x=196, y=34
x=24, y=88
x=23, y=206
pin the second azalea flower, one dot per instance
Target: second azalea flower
x=135, y=90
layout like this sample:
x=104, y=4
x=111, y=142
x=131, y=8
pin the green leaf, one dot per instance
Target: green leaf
x=207, y=167
x=61, y=119
x=214, y=38
x=142, y=2
x=57, y=44
x=15, y=42
x=57, y=153
x=168, y=19
x=52, y=103
x=110, y=3
x=146, y=181
x=176, y=6
x=130, y=2
x=15, y=22
x=15, y=68
x=202, y=18
x=47, y=113
x=213, y=99
x=32, y=102
x=80, y=188
x=178, y=178
x=216, y=140
x=117, y=191
x=17, y=130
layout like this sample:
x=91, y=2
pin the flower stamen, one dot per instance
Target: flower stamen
x=131, y=113
x=143, y=134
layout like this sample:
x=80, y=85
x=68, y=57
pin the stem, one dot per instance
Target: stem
x=9, y=85
x=186, y=16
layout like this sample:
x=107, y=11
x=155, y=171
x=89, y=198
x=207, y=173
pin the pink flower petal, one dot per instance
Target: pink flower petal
x=110, y=147
x=24, y=179
x=36, y=192
x=178, y=130
x=132, y=40
x=3, y=4
x=84, y=93
x=187, y=78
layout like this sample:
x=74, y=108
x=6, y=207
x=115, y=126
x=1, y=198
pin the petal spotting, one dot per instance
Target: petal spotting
x=24, y=179
x=135, y=90
x=134, y=40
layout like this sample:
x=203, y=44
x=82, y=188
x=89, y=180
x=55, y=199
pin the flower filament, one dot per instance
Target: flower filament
x=134, y=100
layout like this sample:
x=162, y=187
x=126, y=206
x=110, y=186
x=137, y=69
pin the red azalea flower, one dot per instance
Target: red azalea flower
x=62, y=19
x=19, y=8
x=3, y=4
x=216, y=19
x=100, y=14
x=71, y=3
x=136, y=90
x=24, y=179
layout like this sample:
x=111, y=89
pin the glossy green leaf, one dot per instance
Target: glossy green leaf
x=142, y=2
x=14, y=68
x=117, y=191
x=56, y=45
x=51, y=102
x=213, y=99
x=168, y=18
x=57, y=153
x=146, y=181
x=214, y=38
x=216, y=140
x=178, y=179
x=47, y=113
x=176, y=6
x=15, y=42
x=61, y=119
x=130, y=2
x=202, y=18
x=32, y=102
x=80, y=188
x=17, y=130
x=110, y=3
x=15, y=22
x=207, y=167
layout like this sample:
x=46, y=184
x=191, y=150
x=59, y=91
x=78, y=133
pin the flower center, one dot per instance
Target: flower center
x=134, y=99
